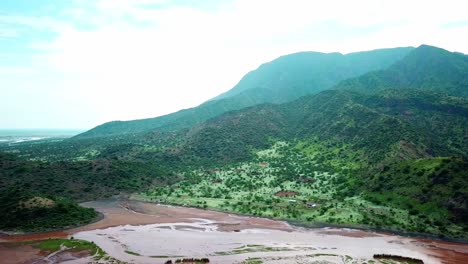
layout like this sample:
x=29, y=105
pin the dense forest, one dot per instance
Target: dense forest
x=22, y=210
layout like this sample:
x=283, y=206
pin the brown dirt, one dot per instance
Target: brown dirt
x=226, y=222
x=286, y=194
x=350, y=233
x=19, y=253
x=15, y=253
x=69, y=255
x=447, y=252
x=30, y=237
x=450, y=257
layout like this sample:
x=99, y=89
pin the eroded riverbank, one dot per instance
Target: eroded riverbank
x=151, y=233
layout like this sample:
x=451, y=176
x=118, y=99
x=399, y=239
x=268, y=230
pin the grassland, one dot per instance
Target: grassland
x=77, y=245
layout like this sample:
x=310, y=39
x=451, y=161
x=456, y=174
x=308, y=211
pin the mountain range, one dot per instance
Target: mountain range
x=403, y=105
x=417, y=105
x=284, y=79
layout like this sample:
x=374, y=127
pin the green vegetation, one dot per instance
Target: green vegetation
x=55, y=245
x=81, y=180
x=132, y=253
x=37, y=196
x=252, y=248
x=427, y=68
x=398, y=259
x=422, y=187
x=387, y=149
x=58, y=245
x=284, y=183
x=253, y=261
x=76, y=244
x=23, y=211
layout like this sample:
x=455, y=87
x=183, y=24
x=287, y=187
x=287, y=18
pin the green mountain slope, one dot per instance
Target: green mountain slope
x=181, y=119
x=380, y=142
x=292, y=76
x=396, y=159
x=282, y=80
x=423, y=185
x=392, y=125
x=426, y=67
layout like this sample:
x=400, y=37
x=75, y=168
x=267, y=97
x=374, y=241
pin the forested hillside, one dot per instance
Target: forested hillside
x=427, y=68
x=78, y=180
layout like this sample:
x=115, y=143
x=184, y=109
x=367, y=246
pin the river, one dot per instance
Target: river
x=138, y=232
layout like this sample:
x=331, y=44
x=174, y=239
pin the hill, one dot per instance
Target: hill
x=284, y=79
x=25, y=211
x=77, y=180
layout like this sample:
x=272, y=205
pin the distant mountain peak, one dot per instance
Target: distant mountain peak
x=426, y=67
x=426, y=46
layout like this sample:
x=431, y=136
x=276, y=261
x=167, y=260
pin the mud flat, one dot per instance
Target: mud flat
x=139, y=232
x=155, y=243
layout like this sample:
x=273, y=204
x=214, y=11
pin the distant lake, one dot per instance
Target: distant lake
x=12, y=136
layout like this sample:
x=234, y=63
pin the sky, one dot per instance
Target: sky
x=80, y=63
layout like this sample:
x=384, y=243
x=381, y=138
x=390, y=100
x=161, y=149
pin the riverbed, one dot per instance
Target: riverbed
x=138, y=232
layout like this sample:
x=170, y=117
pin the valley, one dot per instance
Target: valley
x=312, y=157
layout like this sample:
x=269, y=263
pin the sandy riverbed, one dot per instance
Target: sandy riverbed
x=203, y=239
x=154, y=231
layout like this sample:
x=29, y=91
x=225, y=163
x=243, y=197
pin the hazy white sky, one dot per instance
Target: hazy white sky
x=79, y=63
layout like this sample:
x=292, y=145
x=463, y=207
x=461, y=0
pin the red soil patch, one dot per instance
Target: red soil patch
x=305, y=180
x=286, y=194
x=349, y=233
x=11, y=253
x=30, y=237
x=18, y=253
x=447, y=252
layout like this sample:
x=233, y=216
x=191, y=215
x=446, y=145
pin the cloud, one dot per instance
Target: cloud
x=126, y=59
x=8, y=33
x=35, y=22
x=18, y=71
